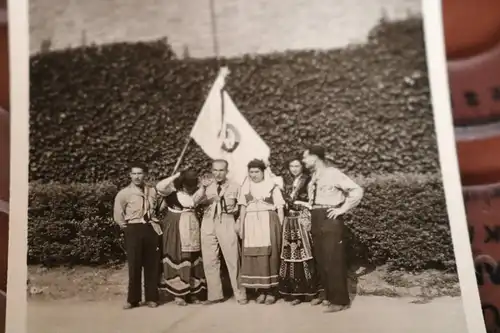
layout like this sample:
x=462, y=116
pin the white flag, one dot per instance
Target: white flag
x=227, y=134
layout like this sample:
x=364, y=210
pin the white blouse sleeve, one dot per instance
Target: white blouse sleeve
x=278, y=199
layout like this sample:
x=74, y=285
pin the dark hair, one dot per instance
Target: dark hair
x=317, y=151
x=298, y=159
x=139, y=165
x=187, y=180
x=255, y=163
x=221, y=160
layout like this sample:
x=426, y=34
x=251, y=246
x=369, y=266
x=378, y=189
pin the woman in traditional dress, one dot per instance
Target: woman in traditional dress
x=261, y=217
x=298, y=279
x=182, y=263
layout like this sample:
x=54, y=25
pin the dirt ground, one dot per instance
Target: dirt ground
x=90, y=299
x=92, y=284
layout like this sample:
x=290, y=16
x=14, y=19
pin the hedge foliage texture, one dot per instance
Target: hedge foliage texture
x=95, y=108
x=401, y=221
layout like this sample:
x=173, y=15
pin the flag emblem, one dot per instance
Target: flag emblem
x=222, y=131
x=230, y=138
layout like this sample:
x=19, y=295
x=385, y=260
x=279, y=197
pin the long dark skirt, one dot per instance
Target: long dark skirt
x=262, y=271
x=329, y=254
x=298, y=276
x=183, y=271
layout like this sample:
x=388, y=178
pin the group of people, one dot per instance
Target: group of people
x=277, y=240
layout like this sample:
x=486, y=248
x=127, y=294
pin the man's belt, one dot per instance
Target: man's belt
x=327, y=206
x=138, y=221
x=135, y=221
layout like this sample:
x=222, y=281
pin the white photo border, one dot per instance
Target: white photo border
x=19, y=101
x=18, y=27
x=443, y=120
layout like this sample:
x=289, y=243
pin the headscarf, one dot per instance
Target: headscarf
x=188, y=181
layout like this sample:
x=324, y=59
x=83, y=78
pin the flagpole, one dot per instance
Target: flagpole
x=214, y=29
x=188, y=141
x=183, y=152
x=216, y=52
x=222, y=109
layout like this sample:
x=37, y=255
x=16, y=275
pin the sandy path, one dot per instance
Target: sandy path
x=368, y=314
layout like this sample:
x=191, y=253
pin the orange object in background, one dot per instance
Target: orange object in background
x=470, y=26
x=475, y=94
x=4, y=68
x=472, y=34
x=4, y=160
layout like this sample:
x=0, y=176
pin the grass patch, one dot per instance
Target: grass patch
x=96, y=284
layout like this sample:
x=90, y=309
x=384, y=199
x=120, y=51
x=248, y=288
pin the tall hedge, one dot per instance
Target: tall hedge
x=401, y=221
x=72, y=224
x=94, y=109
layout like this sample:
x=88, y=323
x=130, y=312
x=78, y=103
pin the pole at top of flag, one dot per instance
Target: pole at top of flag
x=213, y=20
x=224, y=72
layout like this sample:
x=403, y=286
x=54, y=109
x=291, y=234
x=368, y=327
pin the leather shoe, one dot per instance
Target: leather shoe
x=129, y=306
x=335, y=308
x=152, y=304
x=212, y=302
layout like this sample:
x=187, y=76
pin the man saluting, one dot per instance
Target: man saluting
x=218, y=233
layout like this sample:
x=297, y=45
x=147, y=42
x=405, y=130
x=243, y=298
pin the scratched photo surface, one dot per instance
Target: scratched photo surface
x=326, y=210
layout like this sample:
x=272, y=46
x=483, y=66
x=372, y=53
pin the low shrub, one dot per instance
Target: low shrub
x=72, y=224
x=401, y=221
x=94, y=108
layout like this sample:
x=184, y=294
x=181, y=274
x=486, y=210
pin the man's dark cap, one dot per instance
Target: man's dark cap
x=317, y=151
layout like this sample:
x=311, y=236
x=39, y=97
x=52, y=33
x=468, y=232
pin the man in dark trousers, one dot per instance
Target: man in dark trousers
x=134, y=212
x=331, y=194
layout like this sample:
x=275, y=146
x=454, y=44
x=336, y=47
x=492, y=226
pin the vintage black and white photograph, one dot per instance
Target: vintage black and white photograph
x=235, y=166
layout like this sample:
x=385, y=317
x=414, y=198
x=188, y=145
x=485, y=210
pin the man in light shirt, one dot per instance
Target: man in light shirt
x=331, y=194
x=218, y=233
x=134, y=212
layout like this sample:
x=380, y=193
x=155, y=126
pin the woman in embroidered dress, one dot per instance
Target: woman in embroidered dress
x=261, y=217
x=298, y=279
x=182, y=263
